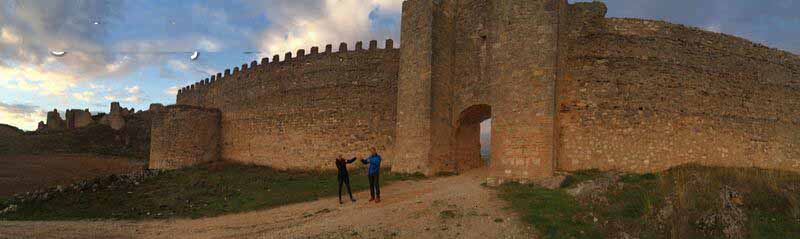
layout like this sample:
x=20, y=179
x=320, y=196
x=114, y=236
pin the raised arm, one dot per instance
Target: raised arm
x=351, y=160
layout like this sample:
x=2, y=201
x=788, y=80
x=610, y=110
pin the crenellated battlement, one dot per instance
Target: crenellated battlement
x=245, y=71
x=566, y=89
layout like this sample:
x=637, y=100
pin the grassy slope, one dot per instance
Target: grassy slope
x=770, y=201
x=133, y=141
x=202, y=191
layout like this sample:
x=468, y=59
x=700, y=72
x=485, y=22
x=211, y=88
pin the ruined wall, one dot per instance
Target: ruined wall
x=305, y=110
x=184, y=135
x=54, y=121
x=640, y=95
x=78, y=118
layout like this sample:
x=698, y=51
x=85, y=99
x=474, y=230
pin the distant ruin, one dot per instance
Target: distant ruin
x=566, y=88
x=81, y=118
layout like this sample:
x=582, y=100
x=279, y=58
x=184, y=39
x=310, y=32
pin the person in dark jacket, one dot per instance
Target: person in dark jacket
x=373, y=173
x=344, y=177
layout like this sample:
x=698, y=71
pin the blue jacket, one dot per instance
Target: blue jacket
x=374, y=162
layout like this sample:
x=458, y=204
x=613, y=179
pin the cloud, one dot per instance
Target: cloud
x=129, y=94
x=208, y=45
x=773, y=23
x=132, y=90
x=134, y=94
x=84, y=96
x=132, y=99
x=714, y=27
x=23, y=116
x=8, y=37
x=172, y=90
x=178, y=65
x=198, y=67
x=29, y=30
x=32, y=28
x=302, y=24
x=34, y=79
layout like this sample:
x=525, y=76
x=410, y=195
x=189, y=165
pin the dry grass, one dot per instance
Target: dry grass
x=683, y=202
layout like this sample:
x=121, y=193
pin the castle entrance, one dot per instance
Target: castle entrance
x=472, y=138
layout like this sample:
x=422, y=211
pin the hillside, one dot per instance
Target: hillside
x=684, y=202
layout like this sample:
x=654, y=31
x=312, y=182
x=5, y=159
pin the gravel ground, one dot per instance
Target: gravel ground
x=445, y=207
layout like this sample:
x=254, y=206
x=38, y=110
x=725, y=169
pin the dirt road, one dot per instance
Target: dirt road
x=450, y=207
x=24, y=173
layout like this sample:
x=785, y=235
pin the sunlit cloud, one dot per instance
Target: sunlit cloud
x=133, y=99
x=23, y=116
x=9, y=37
x=132, y=90
x=172, y=90
x=35, y=79
x=84, y=96
x=300, y=25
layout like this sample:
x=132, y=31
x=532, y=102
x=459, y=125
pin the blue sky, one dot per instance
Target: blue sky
x=137, y=51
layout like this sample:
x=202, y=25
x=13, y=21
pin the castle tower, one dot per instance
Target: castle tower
x=54, y=120
x=463, y=61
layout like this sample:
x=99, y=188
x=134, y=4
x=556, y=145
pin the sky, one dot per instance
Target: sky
x=137, y=51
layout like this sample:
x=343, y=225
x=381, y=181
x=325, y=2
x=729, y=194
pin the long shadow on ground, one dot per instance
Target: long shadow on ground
x=201, y=191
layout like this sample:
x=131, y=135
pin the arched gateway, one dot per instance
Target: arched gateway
x=499, y=53
x=565, y=87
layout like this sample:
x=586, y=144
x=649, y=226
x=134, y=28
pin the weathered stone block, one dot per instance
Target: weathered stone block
x=182, y=136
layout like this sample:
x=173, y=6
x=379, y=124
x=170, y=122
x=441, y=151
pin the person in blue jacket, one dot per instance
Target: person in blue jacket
x=373, y=173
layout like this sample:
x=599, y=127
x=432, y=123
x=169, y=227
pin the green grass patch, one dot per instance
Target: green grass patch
x=671, y=204
x=553, y=212
x=202, y=191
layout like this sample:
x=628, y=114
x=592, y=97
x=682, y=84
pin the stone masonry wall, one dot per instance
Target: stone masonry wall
x=182, y=136
x=78, y=118
x=498, y=56
x=414, y=88
x=567, y=89
x=302, y=112
x=54, y=121
x=642, y=96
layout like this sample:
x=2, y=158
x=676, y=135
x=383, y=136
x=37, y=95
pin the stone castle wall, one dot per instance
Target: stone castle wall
x=471, y=60
x=566, y=88
x=54, y=121
x=305, y=110
x=78, y=118
x=642, y=96
x=182, y=135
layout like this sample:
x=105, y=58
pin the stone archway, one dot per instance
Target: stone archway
x=467, y=151
x=487, y=54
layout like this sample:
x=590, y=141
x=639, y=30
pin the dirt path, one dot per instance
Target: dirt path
x=24, y=173
x=451, y=207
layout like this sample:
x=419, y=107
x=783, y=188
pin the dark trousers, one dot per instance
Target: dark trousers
x=344, y=179
x=374, y=185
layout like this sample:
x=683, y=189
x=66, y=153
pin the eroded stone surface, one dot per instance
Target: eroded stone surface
x=566, y=88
